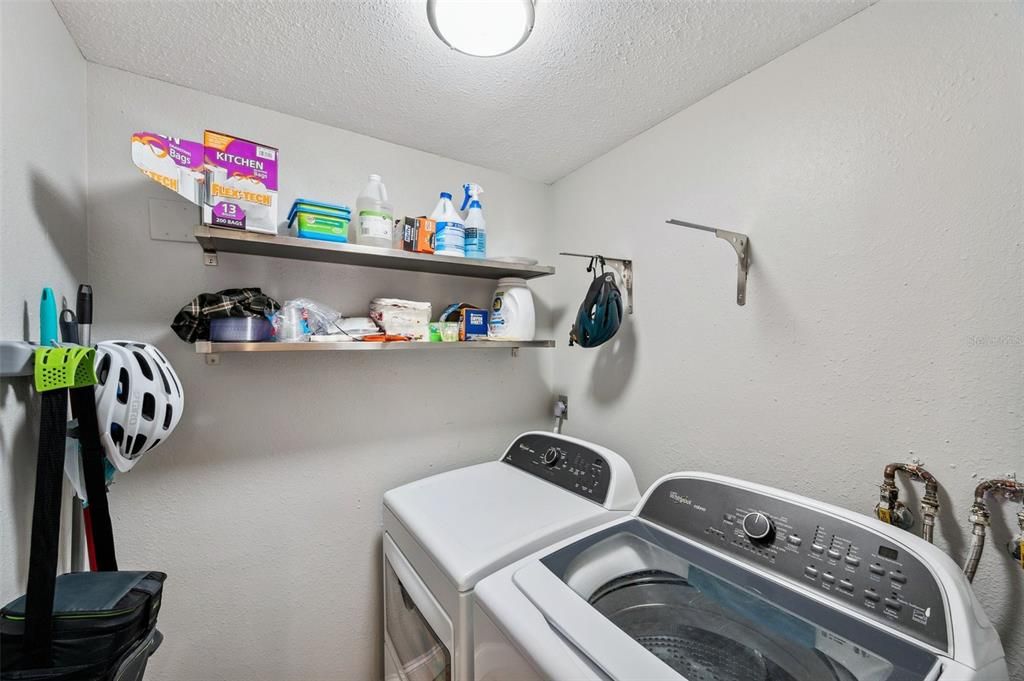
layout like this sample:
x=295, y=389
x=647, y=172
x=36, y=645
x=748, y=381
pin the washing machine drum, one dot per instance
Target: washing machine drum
x=695, y=635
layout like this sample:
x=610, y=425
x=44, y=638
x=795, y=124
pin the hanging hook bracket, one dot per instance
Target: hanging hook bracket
x=622, y=267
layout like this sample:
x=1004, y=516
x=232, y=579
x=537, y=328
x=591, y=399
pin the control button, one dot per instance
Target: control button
x=828, y=578
x=877, y=569
x=893, y=604
x=817, y=548
x=846, y=585
x=759, y=528
x=550, y=457
x=794, y=540
x=833, y=554
x=872, y=595
x=811, y=571
x=898, y=577
x=852, y=561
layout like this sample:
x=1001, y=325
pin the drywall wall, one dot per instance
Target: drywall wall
x=264, y=507
x=879, y=171
x=42, y=233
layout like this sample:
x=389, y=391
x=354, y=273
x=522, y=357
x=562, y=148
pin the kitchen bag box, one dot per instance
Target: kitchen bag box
x=241, y=183
x=234, y=180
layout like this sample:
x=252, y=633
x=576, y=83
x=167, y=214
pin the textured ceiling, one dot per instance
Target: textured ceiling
x=592, y=75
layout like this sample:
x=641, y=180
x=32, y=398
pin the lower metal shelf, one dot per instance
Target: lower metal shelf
x=211, y=349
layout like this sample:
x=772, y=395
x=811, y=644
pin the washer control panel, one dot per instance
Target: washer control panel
x=569, y=465
x=853, y=564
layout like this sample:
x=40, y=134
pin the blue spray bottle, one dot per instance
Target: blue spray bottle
x=476, y=227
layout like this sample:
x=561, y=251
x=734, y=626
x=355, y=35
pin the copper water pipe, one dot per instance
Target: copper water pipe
x=979, y=519
x=889, y=495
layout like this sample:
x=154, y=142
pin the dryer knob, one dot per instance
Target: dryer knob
x=551, y=456
x=759, y=528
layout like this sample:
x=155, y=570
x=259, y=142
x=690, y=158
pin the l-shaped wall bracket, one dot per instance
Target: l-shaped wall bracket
x=739, y=242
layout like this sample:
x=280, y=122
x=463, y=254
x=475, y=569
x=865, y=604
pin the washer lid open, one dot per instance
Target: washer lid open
x=642, y=603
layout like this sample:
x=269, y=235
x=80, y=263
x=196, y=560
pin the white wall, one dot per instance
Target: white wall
x=264, y=508
x=42, y=233
x=879, y=170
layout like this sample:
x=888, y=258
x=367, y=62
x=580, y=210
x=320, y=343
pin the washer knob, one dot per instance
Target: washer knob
x=759, y=528
x=550, y=457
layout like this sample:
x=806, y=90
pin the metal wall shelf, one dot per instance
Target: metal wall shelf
x=214, y=239
x=211, y=349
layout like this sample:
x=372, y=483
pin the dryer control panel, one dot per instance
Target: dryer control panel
x=851, y=563
x=561, y=462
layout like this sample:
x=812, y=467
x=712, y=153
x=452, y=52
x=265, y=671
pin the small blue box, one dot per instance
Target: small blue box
x=473, y=324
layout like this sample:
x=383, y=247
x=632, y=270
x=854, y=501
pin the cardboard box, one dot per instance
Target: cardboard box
x=418, y=234
x=234, y=181
x=172, y=162
x=241, y=183
x=473, y=324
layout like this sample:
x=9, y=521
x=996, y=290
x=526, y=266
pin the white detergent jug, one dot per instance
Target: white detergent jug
x=450, y=232
x=374, y=216
x=512, y=314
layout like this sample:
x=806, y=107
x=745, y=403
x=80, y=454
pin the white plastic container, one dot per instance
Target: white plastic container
x=450, y=234
x=374, y=218
x=512, y=313
x=476, y=232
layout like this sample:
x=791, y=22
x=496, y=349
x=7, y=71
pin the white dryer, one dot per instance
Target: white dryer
x=715, y=579
x=445, y=533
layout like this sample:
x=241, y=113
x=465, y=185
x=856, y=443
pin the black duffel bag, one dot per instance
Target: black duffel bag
x=82, y=626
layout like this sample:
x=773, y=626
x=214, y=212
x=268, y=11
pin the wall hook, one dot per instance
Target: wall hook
x=739, y=242
x=622, y=267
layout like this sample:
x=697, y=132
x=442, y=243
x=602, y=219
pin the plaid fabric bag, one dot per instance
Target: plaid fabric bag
x=192, y=323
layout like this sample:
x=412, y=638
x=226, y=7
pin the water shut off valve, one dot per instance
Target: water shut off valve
x=561, y=412
x=1016, y=545
x=894, y=512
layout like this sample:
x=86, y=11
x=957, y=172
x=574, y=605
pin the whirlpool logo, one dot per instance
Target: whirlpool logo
x=678, y=498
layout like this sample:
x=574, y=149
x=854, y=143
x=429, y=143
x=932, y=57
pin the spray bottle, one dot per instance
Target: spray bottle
x=476, y=227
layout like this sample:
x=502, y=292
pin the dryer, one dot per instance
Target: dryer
x=715, y=579
x=443, y=534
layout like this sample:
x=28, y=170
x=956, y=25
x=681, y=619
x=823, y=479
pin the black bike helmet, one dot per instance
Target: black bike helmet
x=600, y=313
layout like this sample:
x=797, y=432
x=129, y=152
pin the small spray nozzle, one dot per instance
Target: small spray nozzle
x=473, y=192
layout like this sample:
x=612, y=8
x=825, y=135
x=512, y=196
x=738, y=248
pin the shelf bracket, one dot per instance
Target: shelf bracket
x=623, y=267
x=739, y=242
x=210, y=258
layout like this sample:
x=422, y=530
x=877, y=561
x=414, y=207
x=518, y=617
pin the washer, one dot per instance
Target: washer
x=445, y=533
x=715, y=579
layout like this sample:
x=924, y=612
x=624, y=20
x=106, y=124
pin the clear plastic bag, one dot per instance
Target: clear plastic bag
x=300, y=318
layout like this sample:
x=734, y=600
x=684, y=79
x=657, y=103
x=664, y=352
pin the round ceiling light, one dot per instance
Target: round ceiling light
x=481, y=28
